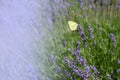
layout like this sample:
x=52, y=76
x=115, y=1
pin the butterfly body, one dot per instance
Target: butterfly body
x=72, y=25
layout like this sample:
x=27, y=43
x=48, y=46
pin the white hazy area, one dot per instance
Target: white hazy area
x=22, y=25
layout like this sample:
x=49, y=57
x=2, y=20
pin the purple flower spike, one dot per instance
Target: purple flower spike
x=90, y=32
x=109, y=76
x=68, y=74
x=52, y=58
x=112, y=37
x=77, y=44
x=118, y=70
x=94, y=69
x=58, y=69
x=118, y=61
x=87, y=70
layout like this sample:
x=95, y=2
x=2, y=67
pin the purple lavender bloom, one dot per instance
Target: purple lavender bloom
x=90, y=31
x=118, y=70
x=87, y=71
x=52, y=58
x=78, y=72
x=66, y=60
x=80, y=29
x=68, y=74
x=73, y=66
x=92, y=36
x=81, y=3
x=118, y=61
x=63, y=6
x=77, y=44
x=82, y=61
x=94, y=69
x=81, y=75
x=109, y=76
x=76, y=52
x=58, y=69
x=82, y=35
x=112, y=37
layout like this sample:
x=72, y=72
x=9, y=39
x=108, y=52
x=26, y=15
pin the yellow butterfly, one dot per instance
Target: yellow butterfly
x=72, y=25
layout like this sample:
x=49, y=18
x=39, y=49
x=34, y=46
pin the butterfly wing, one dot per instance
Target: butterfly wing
x=72, y=25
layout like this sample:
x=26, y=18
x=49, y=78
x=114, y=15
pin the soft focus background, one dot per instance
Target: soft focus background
x=23, y=32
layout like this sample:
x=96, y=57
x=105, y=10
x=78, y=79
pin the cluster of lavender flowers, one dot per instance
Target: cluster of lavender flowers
x=90, y=32
x=79, y=66
x=82, y=35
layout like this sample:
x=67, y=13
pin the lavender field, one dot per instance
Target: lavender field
x=92, y=51
x=60, y=40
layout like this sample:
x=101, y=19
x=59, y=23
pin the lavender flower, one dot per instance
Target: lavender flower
x=66, y=60
x=81, y=3
x=76, y=71
x=82, y=61
x=80, y=29
x=58, y=69
x=83, y=71
x=76, y=52
x=82, y=35
x=118, y=70
x=90, y=31
x=94, y=69
x=118, y=61
x=113, y=39
x=68, y=74
x=109, y=76
x=52, y=58
x=87, y=71
x=77, y=44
